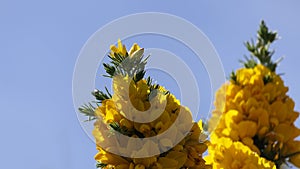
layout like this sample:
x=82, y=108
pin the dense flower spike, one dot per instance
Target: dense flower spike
x=256, y=128
x=130, y=97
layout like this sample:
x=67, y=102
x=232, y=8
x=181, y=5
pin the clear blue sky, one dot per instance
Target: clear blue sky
x=40, y=42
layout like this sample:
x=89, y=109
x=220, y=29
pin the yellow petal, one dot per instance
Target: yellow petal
x=139, y=166
x=295, y=160
x=232, y=117
x=108, y=158
x=247, y=129
x=122, y=166
x=168, y=163
x=180, y=157
x=285, y=130
x=134, y=48
x=121, y=48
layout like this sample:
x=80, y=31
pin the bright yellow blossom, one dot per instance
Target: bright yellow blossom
x=121, y=49
x=257, y=115
x=129, y=100
x=226, y=153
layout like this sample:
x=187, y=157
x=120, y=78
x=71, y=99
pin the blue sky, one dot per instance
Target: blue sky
x=40, y=42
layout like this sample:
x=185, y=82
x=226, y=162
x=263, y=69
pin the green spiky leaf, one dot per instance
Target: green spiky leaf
x=88, y=110
x=260, y=50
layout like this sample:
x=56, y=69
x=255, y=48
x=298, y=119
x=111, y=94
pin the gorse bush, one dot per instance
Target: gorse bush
x=254, y=115
x=252, y=125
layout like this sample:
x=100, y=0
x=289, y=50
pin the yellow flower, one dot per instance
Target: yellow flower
x=132, y=97
x=256, y=112
x=108, y=158
x=235, y=155
x=247, y=129
x=146, y=162
x=244, y=76
x=135, y=47
x=120, y=49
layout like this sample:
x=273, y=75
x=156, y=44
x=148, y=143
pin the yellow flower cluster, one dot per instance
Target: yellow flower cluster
x=256, y=120
x=234, y=155
x=132, y=98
